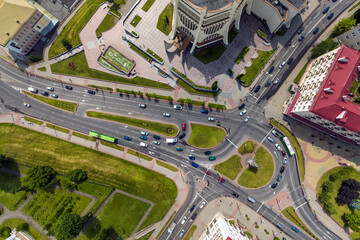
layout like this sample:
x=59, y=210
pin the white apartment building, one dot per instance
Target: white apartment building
x=220, y=229
x=323, y=99
x=207, y=21
x=351, y=38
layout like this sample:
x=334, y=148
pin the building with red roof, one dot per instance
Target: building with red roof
x=324, y=99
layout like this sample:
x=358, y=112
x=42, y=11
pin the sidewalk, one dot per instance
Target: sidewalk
x=177, y=177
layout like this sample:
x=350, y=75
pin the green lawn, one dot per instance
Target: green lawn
x=139, y=155
x=101, y=87
x=162, y=128
x=147, y=236
x=291, y=214
x=67, y=106
x=242, y=54
x=118, y=60
x=256, y=66
x=165, y=165
x=147, y=5
x=300, y=74
x=135, y=21
x=247, y=147
x=10, y=195
x=33, y=120
x=190, y=232
x=203, y=136
x=95, y=189
x=43, y=69
x=57, y=128
x=47, y=207
x=14, y=222
x=232, y=34
x=73, y=27
x=230, y=168
x=295, y=144
x=82, y=70
x=83, y=136
x=122, y=213
x=107, y=23
x=192, y=90
x=340, y=209
x=16, y=167
x=354, y=86
x=355, y=235
x=210, y=54
x=157, y=57
x=251, y=178
x=191, y=102
x=27, y=146
x=164, y=23
x=112, y=145
x=262, y=34
x=354, y=6
x=140, y=52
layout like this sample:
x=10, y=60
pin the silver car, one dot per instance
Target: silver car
x=211, y=119
x=242, y=113
x=166, y=114
x=246, y=119
x=156, y=142
x=178, y=107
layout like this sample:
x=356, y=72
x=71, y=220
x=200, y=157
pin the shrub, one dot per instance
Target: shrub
x=66, y=44
x=5, y=232
x=22, y=227
x=34, y=58
x=214, y=86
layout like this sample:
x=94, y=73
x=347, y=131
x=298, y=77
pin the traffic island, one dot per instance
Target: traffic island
x=230, y=168
x=203, y=136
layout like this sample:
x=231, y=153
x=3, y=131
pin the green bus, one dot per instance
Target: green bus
x=108, y=138
x=94, y=134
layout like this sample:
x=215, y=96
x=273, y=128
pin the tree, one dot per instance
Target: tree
x=38, y=177
x=348, y=191
x=214, y=86
x=170, y=99
x=343, y=25
x=34, y=58
x=353, y=221
x=357, y=16
x=23, y=227
x=323, y=47
x=65, y=183
x=188, y=101
x=77, y=176
x=68, y=226
x=66, y=44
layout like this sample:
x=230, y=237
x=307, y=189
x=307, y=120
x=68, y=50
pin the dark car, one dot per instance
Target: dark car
x=302, y=37
x=127, y=138
x=241, y=106
x=330, y=16
x=156, y=137
x=143, y=137
x=274, y=185
x=204, y=111
x=290, y=61
x=235, y=195
x=193, y=216
x=194, y=165
x=316, y=30
x=191, y=157
x=279, y=178
x=220, y=179
x=192, y=208
x=257, y=89
x=279, y=226
x=268, y=83
x=271, y=69
x=91, y=92
x=69, y=87
x=283, y=152
x=207, y=152
x=182, y=135
x=212, y=158
x=44, y=93
x=179, y=149
x=326, y=10
x=300, y=30
x=282, y=169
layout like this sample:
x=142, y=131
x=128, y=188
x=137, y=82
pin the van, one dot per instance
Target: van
x=142, y=144
x=194, y=165
x=171, y=140
x=171, y=227
x=250, y=199
x=33, y=90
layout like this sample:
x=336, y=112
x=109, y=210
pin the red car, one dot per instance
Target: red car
x=220, y=179
x=283, y=152
x=183, y=126
x=208, y=173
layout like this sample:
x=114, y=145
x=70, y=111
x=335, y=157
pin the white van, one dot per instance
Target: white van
x=171, y=140
x=33, y=90
x=143, y=144
x=250, y=199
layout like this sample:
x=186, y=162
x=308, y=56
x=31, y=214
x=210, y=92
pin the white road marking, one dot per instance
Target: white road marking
x=300, y=205
x=231, y=143
x=266, y=136
x=187, y=172
x=260, y=207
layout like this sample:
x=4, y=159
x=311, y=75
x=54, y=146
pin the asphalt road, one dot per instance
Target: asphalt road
x=14, y=82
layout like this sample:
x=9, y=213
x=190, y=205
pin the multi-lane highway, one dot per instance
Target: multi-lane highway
x=15, y=81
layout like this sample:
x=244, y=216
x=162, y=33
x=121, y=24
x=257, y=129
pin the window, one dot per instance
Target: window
x=359, y=30
x=357, y=44
x=346, y=37
x=353, y=34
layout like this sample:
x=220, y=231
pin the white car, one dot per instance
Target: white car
x=141, y=105
x=246, y=119
x=156, y=142
x=144, y=133
x=166, y=114
x=270, y=139
x=54, y=95
x=202, y=204
x=184, y=220
x=282, y=65
x=50, y=88
x=278, y=146
x=27, y=104
x=178, y=107
x=276, y=81
x=211, y=119
x=275, y=133
x=144, y=145
x=285, y=161
x=242, y=113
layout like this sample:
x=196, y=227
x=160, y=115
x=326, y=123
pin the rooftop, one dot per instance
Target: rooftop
x=211, y=5
x=332, y=102
x=279, y=6
x=297, y=3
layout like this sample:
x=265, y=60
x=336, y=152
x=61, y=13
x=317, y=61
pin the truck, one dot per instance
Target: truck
x=142, y=144
x=33, y=90
x=171, y=140
x=171, y=227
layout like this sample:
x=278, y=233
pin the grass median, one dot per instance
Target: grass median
x=247, y=147
x=255, y=178
x=57, y=128
x=64, y=105
x=162, y=128
x=165, y=165
x=190, y=233
x=33, y=120
x=230, y=168
x=203, y=136
x=139, y=155
x=34, y=148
